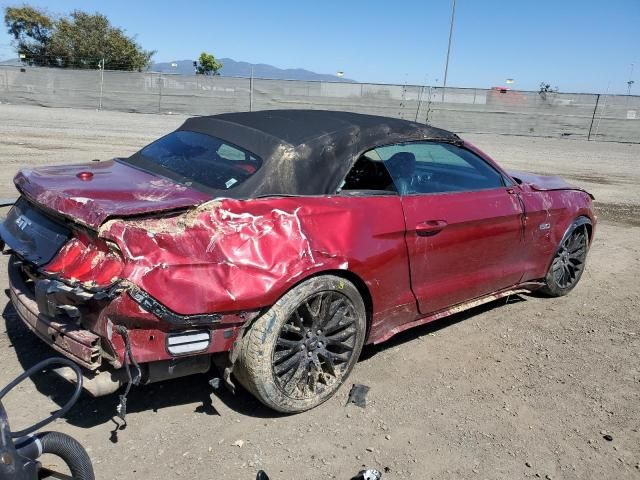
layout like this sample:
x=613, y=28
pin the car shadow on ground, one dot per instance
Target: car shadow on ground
x=432, y=327
x=90, y=412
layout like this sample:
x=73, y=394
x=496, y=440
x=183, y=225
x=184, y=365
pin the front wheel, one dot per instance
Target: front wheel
x=568, y=264
x=296, y=355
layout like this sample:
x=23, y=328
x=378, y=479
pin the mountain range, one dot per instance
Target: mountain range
x=233, y=68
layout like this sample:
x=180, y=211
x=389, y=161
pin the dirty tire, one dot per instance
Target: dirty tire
x=568, y=264
x=296, y=355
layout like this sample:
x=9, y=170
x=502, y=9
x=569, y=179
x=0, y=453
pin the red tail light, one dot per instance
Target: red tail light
x=84, y=260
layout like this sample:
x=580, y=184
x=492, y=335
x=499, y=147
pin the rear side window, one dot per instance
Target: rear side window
x=201, y=158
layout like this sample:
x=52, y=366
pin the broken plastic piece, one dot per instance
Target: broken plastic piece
x=369, y=474
x=358, y=395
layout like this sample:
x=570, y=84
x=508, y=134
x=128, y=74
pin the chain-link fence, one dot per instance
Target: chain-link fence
x=462, y=110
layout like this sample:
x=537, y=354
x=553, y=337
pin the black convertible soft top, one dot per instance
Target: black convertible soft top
x=307, y=152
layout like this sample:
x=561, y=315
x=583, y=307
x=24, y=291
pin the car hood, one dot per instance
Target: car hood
x=544, y=182
x=90, y=193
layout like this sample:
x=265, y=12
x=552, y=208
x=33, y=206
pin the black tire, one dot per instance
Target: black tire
x=568, y=263
x=296, y=355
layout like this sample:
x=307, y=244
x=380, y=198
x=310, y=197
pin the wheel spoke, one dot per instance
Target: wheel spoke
x=306, y=314
x=341, y=336
x=339, y=322
x=294, y=381
x=325, y=304
x=283, y=342
x=281, y=355
x=341, y=357
x=287, y=365
x=331, y=368
x=295, y=329
x=578, y=253
x=343, y=346
x=570, y=272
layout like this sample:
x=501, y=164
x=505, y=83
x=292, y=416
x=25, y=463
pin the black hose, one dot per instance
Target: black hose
x=35, y=369
x=70, y=451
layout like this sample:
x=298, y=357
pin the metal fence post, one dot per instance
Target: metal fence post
x=419, y=102
x=251, y=91
x=593, y=117
x=160, y=94
x=101, y=84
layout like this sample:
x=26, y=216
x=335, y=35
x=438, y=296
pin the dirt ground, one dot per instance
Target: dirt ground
x=521, y=389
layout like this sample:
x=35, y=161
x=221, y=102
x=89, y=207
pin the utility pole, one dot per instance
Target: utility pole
x=446, y=65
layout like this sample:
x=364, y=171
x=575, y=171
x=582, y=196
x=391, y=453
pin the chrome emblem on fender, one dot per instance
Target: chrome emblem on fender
x=544, y=226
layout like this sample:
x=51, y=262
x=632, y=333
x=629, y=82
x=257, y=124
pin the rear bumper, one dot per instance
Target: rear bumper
x=73, y=341
x=89, y=339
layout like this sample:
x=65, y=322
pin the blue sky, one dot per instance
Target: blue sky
x=577, y=45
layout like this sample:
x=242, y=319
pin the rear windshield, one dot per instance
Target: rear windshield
x=201, y=158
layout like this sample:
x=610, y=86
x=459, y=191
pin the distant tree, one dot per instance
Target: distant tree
x=207, y=65
x=80, y=40
x=32, y=30
x=546, y=88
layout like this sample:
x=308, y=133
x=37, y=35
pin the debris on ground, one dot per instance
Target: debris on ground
x=369, y=474
x=358, y=395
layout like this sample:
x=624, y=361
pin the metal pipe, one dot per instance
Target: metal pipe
x=96, y=384
x=595, y=109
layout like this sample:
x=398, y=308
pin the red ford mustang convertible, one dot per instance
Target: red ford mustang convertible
x=275, y=244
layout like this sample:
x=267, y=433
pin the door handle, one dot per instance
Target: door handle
x=430, y=227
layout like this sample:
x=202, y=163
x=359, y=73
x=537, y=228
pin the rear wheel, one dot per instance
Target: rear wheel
x=568, y=264
x=296, y=355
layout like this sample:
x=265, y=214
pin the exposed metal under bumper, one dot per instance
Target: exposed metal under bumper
x=97, y=384
x=107, y=382
x=76, y=343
